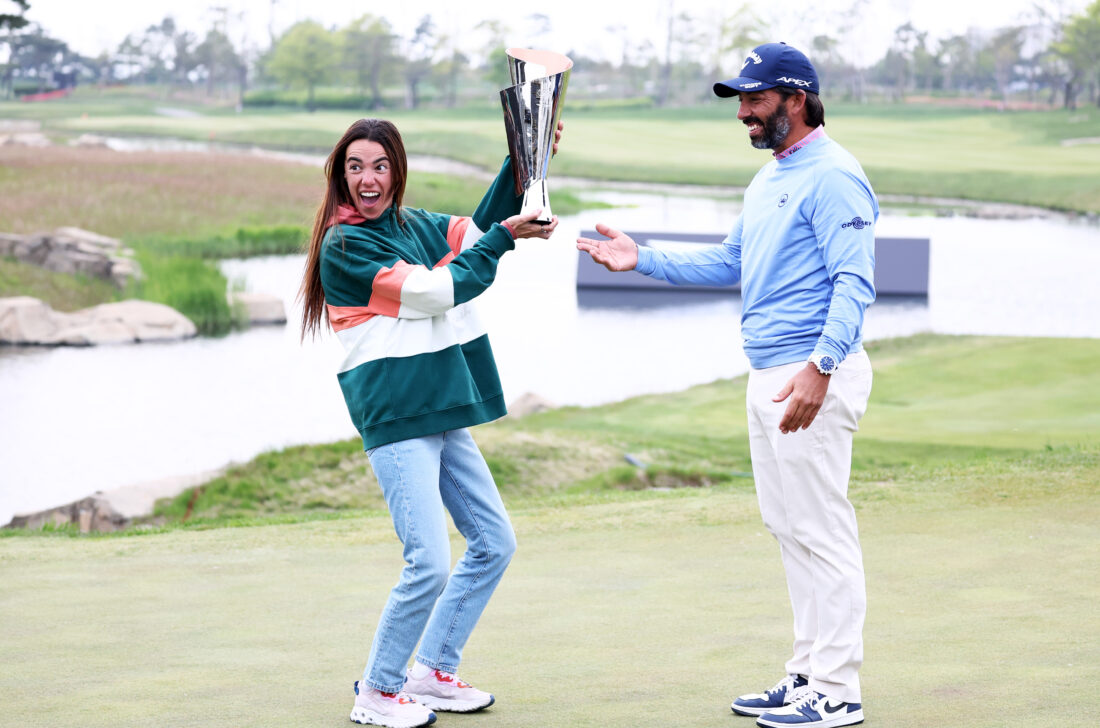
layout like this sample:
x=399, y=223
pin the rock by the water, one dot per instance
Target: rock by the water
x=90, y=514
x=72, y=250
x=89, y=140
x=114, y=509
x=24, y=139
x=28, y=321
x=529, y=404
x=260, y=308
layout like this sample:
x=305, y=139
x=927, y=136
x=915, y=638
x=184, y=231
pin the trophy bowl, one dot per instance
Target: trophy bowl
x=532, y=107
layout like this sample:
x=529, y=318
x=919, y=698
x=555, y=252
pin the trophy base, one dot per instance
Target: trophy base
x=537, y=197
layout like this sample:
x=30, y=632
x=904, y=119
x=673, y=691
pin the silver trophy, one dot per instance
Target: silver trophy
x=532, y=107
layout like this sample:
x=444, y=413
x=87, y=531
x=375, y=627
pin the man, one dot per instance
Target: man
x=803, y=250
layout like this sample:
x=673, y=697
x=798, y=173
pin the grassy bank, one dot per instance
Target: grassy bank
x=953, y=406
x=63, y=292
x=975, y=483
x=922, y=149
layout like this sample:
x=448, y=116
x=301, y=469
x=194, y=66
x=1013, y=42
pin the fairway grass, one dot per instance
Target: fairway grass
x=975, y=480
x=655, y=611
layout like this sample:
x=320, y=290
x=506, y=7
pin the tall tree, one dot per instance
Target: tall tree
x=367, y=47
x=1080, y=46
x=304, y=56
x=494, y=50
x=849, y=24
x=12, y=21
x=906, y=40
x=1004, y=55
x=218, y=59
x=679, y=34
x=926, y=67
x=836, y=76
x=418, y=63
x=957, y=58
x=184, y=59
x=728, y=36
x=147, y=56
x=447, y=71
x=35, y=55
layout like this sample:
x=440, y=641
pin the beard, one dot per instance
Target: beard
x=776, y=128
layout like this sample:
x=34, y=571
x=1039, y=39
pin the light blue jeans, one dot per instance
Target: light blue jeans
x=419, y=478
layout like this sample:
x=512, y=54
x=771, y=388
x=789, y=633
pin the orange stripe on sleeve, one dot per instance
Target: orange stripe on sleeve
x=346, y=317
x=456, y=230
x=385, y=298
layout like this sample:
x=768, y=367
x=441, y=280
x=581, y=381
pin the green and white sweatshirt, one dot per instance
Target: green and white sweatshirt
x=399, y=297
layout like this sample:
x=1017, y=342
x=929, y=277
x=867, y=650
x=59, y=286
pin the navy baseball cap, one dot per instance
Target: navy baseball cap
x=768, y=66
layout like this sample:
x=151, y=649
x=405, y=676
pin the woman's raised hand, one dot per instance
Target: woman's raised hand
x=524, y=226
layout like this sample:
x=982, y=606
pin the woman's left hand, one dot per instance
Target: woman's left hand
x=524, y=226
x=557, y=136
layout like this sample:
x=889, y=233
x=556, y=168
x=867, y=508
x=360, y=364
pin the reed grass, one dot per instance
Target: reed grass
x=194, y=287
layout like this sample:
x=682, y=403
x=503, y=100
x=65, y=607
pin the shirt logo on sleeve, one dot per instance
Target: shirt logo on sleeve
x=783, y=199
x=857, y=222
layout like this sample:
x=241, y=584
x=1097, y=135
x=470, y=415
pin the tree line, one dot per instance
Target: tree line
x=1052, y=58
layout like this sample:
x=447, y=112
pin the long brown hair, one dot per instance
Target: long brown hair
x=383, y=132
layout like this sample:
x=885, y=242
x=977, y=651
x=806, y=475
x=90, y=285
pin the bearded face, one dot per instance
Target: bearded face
x=773, y=130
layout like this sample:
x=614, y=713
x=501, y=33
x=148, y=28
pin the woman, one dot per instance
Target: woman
x=395, y=284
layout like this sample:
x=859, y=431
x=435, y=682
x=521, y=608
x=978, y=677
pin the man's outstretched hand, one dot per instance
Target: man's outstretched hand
x=618, y=253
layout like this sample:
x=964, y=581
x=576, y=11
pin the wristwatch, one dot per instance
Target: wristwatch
x=824, y=363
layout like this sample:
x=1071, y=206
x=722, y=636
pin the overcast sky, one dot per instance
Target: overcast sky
x=575, y=24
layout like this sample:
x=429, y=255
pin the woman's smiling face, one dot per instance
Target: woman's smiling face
x=370, y=184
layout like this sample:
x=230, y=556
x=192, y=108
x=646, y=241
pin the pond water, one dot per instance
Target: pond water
x=77, y=420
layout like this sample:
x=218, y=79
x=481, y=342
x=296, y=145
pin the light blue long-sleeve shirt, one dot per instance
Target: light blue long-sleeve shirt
x=803, y=250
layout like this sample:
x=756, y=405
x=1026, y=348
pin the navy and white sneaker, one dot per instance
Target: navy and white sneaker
x=811, y=708
x=778, y=696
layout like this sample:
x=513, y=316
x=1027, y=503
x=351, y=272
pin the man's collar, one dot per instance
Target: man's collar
x=813, y=136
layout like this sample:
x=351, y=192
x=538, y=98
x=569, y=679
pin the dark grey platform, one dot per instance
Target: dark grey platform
x=901, y=264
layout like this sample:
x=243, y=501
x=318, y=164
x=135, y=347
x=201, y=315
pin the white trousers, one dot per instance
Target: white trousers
x=802, y=485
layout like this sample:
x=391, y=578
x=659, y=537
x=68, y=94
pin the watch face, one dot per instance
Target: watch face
x=826, y=363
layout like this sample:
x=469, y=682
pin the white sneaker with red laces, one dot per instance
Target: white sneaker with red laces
x=392, y=710
x=443, y=691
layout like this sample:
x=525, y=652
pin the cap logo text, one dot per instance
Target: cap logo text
x=754, y=57
x=751, y=85
x=792, y=81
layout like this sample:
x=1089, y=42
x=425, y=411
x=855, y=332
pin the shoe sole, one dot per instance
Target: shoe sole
x=751, y=712
x=364, y=716
x=447, y=705
x=853, y=718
